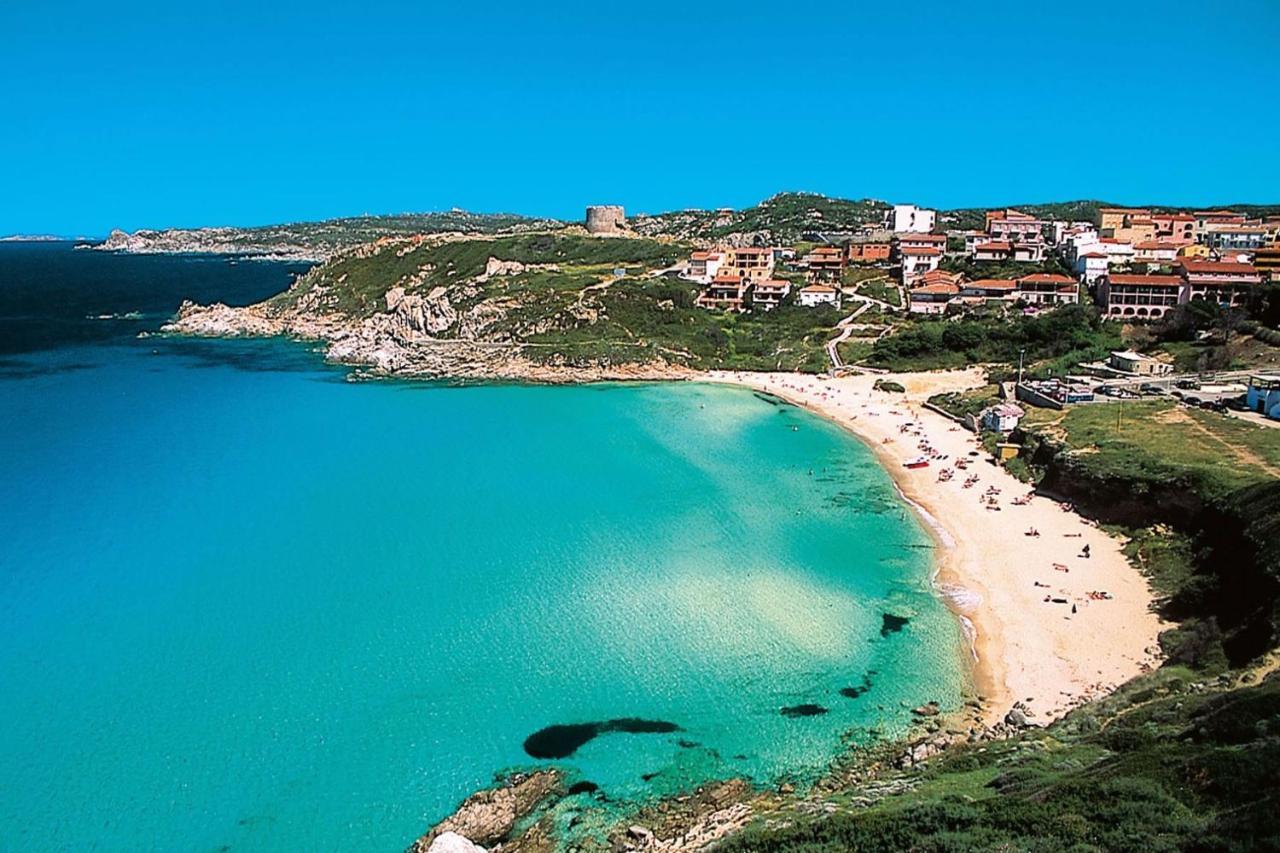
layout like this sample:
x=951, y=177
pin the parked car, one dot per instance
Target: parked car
x=1149, y=388
x=1213, y=405
x=1191, y=401
x=1189, y=384
x=1238, y=404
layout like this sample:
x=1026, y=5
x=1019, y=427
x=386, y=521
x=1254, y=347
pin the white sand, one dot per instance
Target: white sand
x=994, y=575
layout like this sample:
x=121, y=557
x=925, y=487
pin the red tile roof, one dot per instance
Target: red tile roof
x=1047, y=278
x=1148, y=280
x=941, y=287
x=993, y=247
x=922, y=238
x=1222, y=267
x=920, y=251
x=991, y=284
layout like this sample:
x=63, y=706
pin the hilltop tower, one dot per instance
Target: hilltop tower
x=606, y=219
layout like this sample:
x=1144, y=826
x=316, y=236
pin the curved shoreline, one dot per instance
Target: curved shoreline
x=1013, y=588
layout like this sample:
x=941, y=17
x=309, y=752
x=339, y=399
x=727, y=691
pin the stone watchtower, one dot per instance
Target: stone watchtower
x=605, y=219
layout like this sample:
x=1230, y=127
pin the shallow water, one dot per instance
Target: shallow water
x=247, y=604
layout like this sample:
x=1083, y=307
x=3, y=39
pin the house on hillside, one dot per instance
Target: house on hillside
x=1138, y=297
x=1013, y=226
x=725, y=293
x=825, y=263
x=1002, y=417
x=908, y=217
x=703, y=266
x=749, y=263
x=1156, y=252
x=819, y=294
x=1137, y=364
x=932, y=298
x=1044, y=288
x=769, y=294
x=916, y=261
x=867, y=250
x=990, y=288
x=1227, y=283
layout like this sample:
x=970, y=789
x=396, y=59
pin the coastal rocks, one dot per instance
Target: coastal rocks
x=413, y=315
x=929, y=709
x=1019, y=716
x=487, y=817
x=688, y=823
x=452, y=842
x=229, y=241
x=218, y=320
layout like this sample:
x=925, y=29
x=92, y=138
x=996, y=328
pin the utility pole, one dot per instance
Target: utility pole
x=1020, y=352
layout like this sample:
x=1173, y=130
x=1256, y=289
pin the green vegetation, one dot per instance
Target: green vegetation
x=786, y=218
x=565, y=307
x=1162, y=442
x=975, y=270
x=1168, y=763
x=656, y=318
x=885, y=291
x=356, y=283
x=1051, y=342
x=965, y=403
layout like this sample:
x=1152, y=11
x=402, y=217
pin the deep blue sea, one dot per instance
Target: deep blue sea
x=246, y=604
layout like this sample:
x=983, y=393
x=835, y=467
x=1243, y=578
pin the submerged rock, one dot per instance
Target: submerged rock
x=563, y=740
x=891, y=624
x=806, y=710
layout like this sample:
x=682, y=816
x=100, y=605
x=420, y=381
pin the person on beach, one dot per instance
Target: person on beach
x=1084, y=552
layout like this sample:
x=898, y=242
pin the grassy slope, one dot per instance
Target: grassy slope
x=637, y=318
x=1160, y=440
x=1168, y=763
x=1052, y=341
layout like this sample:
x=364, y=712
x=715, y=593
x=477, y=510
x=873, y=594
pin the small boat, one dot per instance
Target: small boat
x=918, y=462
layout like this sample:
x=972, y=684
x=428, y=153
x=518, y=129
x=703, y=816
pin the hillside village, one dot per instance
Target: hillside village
x=1136, y=265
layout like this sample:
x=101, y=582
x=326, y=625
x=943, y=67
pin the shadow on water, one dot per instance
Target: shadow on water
x=562, y=741
x=268, y=355
x=891, y=624
x=16, y=369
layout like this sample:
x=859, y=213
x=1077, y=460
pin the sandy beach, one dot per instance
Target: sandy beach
x=1051, y=627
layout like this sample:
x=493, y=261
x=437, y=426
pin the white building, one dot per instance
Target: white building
x=819, y=294
x=918, y=260
x=1092, y=266
x=703, y=266
x=908, y=217
x=1003, y=417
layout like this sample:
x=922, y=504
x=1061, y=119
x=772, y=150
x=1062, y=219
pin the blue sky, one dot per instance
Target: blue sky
x=153, y=114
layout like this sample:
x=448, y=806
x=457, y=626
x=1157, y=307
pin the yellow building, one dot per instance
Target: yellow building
x=1112, y=218
x=1193, y=250
x=1267, y=260
x=748, y=263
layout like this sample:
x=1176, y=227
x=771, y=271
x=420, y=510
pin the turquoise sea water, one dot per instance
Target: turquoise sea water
x=248, y=605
